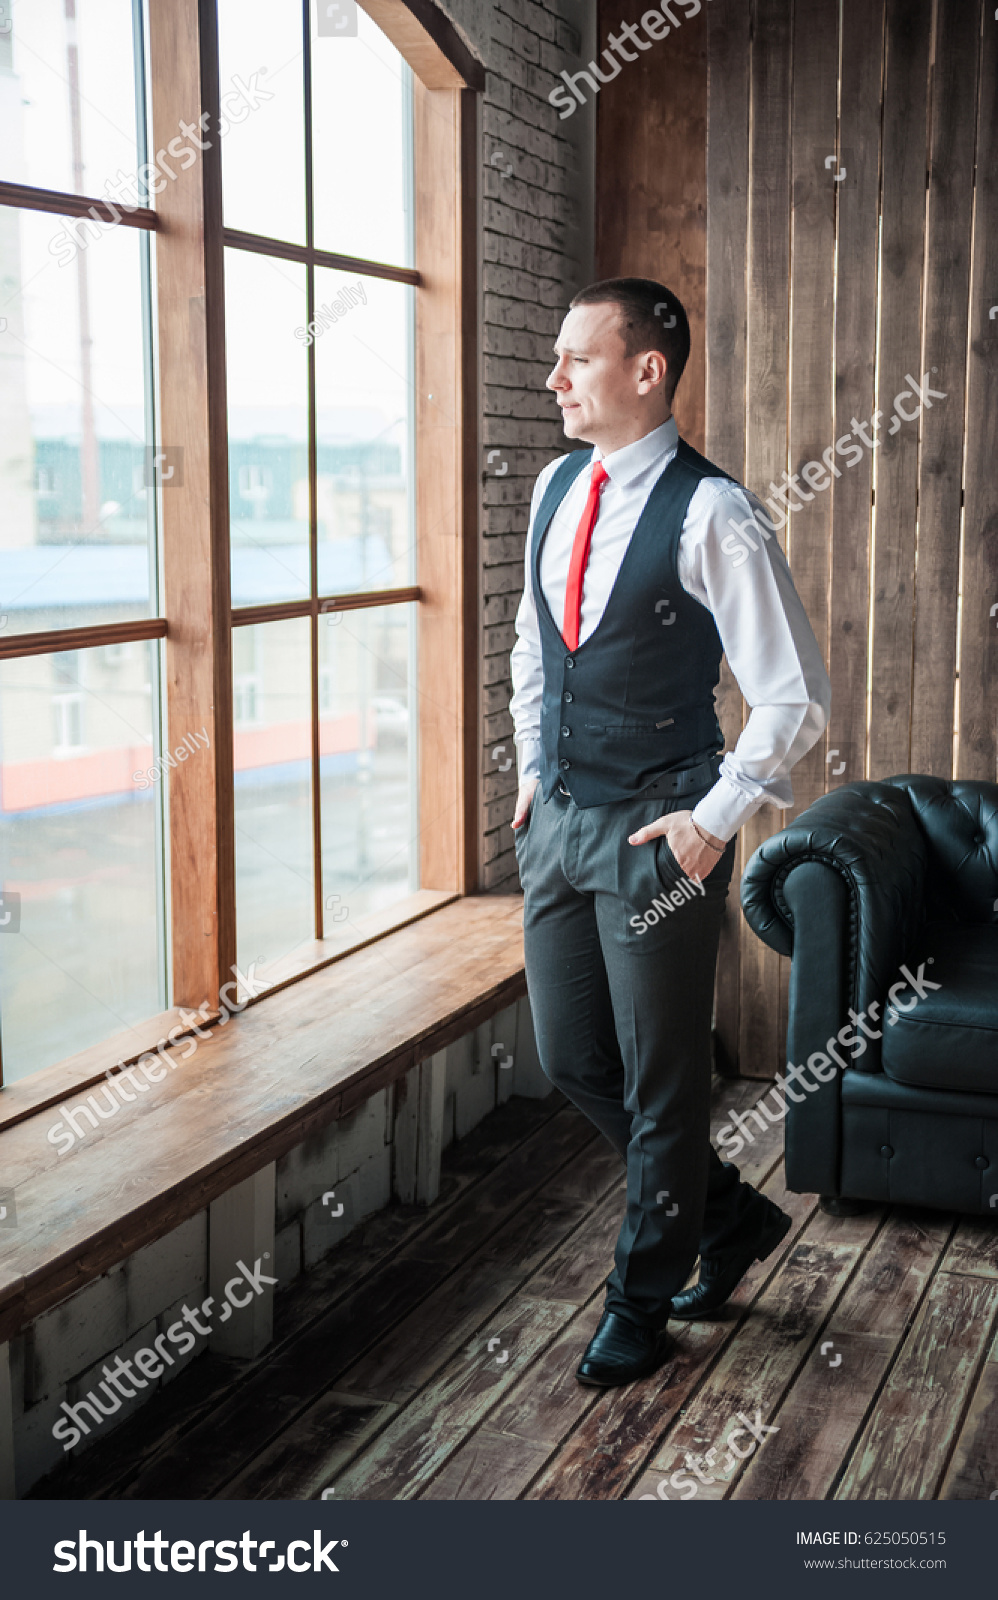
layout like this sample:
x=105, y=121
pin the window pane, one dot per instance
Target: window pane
x=361, y=116
x=273, y=789
x=67, y=95
x=367, y=763
x=363, y=385
x=80, y=799
x=76, y=515
x=263, y=107
x=268, y=428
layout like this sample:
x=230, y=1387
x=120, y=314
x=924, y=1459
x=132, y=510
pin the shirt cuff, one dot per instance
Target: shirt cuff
x=528, y=759
x=725, y=809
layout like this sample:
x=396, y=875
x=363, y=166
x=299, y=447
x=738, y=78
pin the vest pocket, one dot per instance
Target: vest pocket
x=630, y=729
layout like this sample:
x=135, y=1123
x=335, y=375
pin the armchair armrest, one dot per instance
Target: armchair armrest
x=867, y=835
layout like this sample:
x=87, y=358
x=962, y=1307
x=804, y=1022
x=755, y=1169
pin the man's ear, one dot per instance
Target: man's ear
x=652, y=371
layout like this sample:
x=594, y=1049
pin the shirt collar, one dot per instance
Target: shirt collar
x=623, y=466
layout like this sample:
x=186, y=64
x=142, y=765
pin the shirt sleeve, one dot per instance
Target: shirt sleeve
x=770, y=646
x=526, y=667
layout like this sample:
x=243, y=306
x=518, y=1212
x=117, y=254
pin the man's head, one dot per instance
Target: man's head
x=621, y=352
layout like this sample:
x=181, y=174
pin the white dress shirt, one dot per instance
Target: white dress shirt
x=763, y=626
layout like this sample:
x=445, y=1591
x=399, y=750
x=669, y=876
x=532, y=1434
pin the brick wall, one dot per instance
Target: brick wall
x=536, y=251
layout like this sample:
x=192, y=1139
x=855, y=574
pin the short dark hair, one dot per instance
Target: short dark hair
x=647, y=309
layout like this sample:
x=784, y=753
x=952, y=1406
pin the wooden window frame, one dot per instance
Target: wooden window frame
x=194, y=518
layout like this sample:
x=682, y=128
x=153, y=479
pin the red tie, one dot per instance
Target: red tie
x=580, y=556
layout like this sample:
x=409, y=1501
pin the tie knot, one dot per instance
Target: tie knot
x=600, y=475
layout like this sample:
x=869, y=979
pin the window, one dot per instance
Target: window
x=320, y=435
x=232, y=519
x=80, y=844
x=67, y=703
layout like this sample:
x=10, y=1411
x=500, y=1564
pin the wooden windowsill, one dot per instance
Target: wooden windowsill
x=77, y=1073
x=315, y=954
x=254, y=1088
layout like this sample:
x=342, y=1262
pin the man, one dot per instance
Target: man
x=626, y=814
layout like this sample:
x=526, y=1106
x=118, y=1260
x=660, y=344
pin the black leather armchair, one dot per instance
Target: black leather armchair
x=886, y=897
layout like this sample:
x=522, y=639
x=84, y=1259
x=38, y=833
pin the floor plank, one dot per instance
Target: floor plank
x=973, y=1471
x=381, y=1384
x=307, y=1457
x=417, y=1442
x=619, y=1431
x=412, y=1351
x=826, y=1408
x=903, y=1451
x=287, y=1384
x=756, y=1369
x=416, y=1349
x=974, y=1248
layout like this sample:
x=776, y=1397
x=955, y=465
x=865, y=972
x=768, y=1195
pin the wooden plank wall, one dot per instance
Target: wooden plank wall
x=825, y=295
x=650, y=213
x=978, y=660
x=727, y=230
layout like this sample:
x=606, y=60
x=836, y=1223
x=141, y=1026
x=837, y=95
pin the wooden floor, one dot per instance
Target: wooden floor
x=432, y=1355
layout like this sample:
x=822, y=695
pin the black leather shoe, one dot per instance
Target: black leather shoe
x=720, y=1274
x=619, y=1351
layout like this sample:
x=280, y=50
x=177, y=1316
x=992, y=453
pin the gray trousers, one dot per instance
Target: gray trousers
x=621, y=993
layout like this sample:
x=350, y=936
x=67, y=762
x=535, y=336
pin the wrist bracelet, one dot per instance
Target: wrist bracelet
x=718, y=849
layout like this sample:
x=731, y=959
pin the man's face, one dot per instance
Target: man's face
x=606, y=397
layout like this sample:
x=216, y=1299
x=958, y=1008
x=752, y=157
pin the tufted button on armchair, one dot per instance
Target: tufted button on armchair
x=886, y=897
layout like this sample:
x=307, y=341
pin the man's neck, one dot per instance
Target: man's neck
x=618, y=439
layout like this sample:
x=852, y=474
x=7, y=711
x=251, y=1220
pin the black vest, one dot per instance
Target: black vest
x=636, y=699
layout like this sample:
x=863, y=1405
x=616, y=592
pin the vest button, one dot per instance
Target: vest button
x=564, y=765
x=981, y=1161
x=569, y=696
x=570, y=661
x=565, y=732
x=886, y=1150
